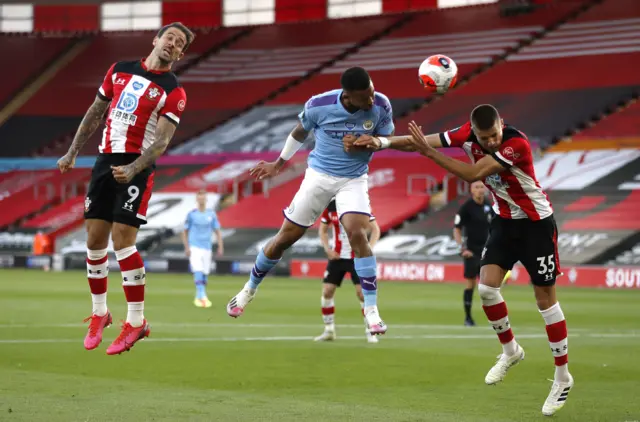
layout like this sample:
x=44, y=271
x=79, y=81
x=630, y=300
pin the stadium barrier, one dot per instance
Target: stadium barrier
x=452, y=272
x=74, y=261
x=627, y=277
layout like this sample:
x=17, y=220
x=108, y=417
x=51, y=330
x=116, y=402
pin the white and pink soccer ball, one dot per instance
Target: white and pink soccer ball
x=438, y=73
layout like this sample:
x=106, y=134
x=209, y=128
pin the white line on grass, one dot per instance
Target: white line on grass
x=308, y=338
x=240, y=325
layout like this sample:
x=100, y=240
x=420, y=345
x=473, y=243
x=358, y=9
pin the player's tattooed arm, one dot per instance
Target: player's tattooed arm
x=164, y=133
x=469, y=172
x=89, y=124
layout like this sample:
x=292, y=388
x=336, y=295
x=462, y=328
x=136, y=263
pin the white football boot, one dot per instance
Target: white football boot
x=236, y=305
x=499, y=370
x=557, y=397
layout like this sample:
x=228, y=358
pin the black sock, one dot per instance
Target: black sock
x=467, y=298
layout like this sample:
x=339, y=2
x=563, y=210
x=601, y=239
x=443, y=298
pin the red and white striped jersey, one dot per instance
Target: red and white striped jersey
x=138, y=98
x=340, y=239
x=516, y=191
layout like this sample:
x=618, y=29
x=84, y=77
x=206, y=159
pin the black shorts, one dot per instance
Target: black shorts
x=472, y=266
x=116, y=202
x=533, y=243
x=337, y=269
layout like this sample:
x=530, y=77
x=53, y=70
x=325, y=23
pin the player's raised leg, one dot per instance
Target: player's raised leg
x=328, y=307
x=133, y=281
x=495, y=308
x=352, y=201
x=356, y=225
x=267, y=258
x=97, y=271
x=312, y=198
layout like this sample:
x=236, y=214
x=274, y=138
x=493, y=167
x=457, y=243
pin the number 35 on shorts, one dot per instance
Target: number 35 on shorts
x=547, y=266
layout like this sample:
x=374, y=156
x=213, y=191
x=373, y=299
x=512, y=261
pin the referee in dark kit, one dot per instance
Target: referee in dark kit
x=471, y=230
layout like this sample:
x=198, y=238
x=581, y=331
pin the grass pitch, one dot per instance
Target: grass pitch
x=201, y=365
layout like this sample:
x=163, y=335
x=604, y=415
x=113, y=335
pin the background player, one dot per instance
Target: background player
x=524, y=229
x=199, y=227
x=470, y=231
x=144, y=103
x=340, y=263
x=332, y=172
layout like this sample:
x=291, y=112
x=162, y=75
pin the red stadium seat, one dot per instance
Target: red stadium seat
x=27, y=56
x=625, y=123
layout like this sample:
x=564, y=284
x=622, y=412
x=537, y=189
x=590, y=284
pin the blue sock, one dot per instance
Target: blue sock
x=199, y=280
x=260, y=269
x=366, y=268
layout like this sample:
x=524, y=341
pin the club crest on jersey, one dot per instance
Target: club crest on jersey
x=509, y=153
x=367, y=125
x=153, y=93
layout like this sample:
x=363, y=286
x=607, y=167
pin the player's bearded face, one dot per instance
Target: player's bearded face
x=169, y=47
x=363, y=100
x=491, y=138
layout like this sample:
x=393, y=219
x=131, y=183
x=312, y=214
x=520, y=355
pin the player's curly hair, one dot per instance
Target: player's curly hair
x=355, y=79
x=484, y=116
x=180, y=26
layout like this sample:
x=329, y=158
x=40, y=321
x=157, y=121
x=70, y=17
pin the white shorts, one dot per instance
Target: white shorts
x=200, y=260
x=316, y=191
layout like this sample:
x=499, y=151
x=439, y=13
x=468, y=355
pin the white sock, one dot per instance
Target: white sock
x=99, y=304
x=562, y=373
x=510, y=348
x=247, y=286
x=135, y=313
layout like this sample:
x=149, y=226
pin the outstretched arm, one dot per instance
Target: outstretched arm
x=399, y=143
x=89, y=124
x=468, y=172
x=294, y=142
x=164, y=132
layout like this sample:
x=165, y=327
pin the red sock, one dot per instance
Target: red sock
x=133, y=281
x=97, y=272
x=499, y=319
x=557, y=333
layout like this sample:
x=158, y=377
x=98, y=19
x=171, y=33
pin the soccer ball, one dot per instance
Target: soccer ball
x=438, y=73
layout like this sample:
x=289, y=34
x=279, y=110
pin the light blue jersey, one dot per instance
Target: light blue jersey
x=330, y=121
x=201, y=225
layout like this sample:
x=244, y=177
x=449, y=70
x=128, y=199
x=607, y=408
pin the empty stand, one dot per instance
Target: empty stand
x=43, y=188
x=78, y=82
x=471, y=36
x=610, y=9
x=28, y=55
x=388, y=189
x=270, y=57
x=625, y=123
x=554, y=84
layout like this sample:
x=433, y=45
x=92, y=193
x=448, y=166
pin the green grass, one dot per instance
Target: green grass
x=427, y=368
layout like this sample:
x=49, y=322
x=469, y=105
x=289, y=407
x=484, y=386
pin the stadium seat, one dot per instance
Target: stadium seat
x=624, y=123
x=28, y=55
x=469, y=35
